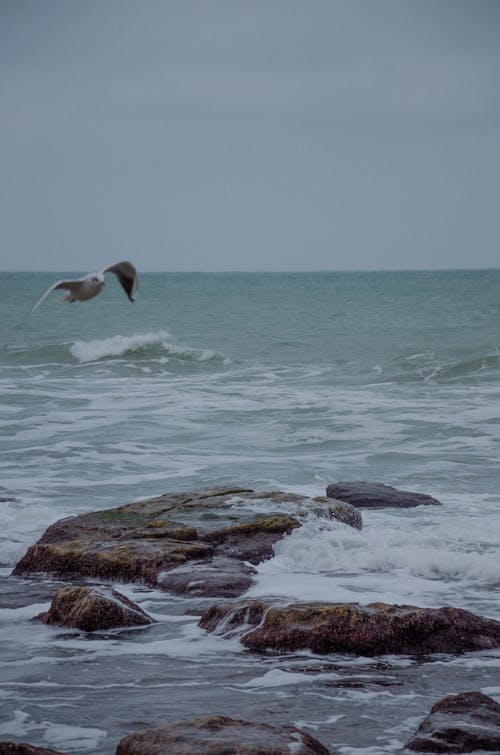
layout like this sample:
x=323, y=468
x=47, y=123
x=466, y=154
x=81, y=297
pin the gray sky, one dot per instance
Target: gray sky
x=249, y=135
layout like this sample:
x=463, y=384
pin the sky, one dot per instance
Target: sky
x=218, y=135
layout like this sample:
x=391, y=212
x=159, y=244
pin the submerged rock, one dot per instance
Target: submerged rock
x=138, y=541
x=468, y=722
x=376, y=495
x=92, y=608
x=215, y=735
x=221, y=577
x=376, y=629
x=21, y=748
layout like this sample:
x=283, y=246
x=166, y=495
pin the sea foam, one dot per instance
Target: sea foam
x=158, y=344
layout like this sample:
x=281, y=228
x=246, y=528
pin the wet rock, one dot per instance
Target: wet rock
x=133, y=542
x=376, y=629
x=138, y=541
x=468, y=722
x=341, y=511
x=92, y=608
x=221, y=577
x=21, y=748
x=376, y=495
x=252, y=541
x=214, y=735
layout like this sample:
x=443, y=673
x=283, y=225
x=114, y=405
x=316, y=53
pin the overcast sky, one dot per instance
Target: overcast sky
x=249, y=134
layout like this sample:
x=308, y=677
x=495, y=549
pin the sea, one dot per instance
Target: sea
x=270, y=381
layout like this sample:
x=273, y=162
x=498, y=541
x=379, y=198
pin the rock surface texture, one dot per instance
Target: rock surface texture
x=139, y=541
x=220, y=735
x=468, y=722
x=376, y=629
x=376, y=495
x=92, y=608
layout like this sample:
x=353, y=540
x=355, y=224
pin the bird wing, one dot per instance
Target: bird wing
x=72, y=285
x=127, y=276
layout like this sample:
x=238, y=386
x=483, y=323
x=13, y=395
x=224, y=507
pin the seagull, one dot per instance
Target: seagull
x=83, y=289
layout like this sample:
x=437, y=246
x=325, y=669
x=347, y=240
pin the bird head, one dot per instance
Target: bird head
x=98, y=280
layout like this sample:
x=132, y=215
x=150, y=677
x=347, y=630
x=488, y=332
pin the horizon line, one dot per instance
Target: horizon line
x=278, y=271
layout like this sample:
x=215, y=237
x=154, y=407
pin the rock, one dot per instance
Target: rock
x=376, y=629
x=341, y=511
x=468, y=722
x=221, y=577
x=138, y=541
x=92, y=608
x=376, y=495
x=252, y=541
x=21, y=748
x=133, y=542
x=215, y=735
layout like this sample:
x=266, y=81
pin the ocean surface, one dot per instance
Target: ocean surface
x=268, y=381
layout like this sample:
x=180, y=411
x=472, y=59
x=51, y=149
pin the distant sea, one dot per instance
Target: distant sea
x=269, y=381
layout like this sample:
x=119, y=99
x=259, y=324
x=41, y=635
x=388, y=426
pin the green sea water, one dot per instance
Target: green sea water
x=269, y=381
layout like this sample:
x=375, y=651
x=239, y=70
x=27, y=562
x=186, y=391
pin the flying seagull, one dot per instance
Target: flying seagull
x=83, y=289
x=92, y=284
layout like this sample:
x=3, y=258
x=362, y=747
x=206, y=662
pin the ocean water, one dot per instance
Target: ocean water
x=269, y=381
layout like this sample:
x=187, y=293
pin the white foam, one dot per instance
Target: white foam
x=426, y=557
x=118, y=345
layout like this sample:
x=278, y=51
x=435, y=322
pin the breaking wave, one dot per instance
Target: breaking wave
x=159, y=345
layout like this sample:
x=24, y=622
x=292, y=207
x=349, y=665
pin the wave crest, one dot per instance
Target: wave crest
x=159, y=344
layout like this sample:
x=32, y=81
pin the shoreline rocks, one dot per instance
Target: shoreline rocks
x=376, y=495
x=92, y=608
x=214, y=735
x=375, y=629
x=467, y=722
x=139, y=541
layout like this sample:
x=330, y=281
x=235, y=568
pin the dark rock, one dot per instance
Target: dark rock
x=376, y=495
x=341, y=511
x=376, y=629
x=138, y=541
x=221, y=577
x=468, y=722
x=220, y=735
x=134, y=542
x=92, y=608
x=252, y=541
x=21, y=748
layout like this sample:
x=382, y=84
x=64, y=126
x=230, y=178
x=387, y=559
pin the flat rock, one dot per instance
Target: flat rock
x=375, y=629
x=221, y=577
x=21, y=748
x=376, y=495
x=220, y=735
x=138, y=541
x=91, y=608
x=467, y=722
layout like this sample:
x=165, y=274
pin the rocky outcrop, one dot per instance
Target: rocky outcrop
x=136, y=542
x=376, y=495
x=376, y=629
x=214, y=735
x=468, y=722
x=21, y=748
x=221, y=577
x=252, y=541
x=92, y=608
